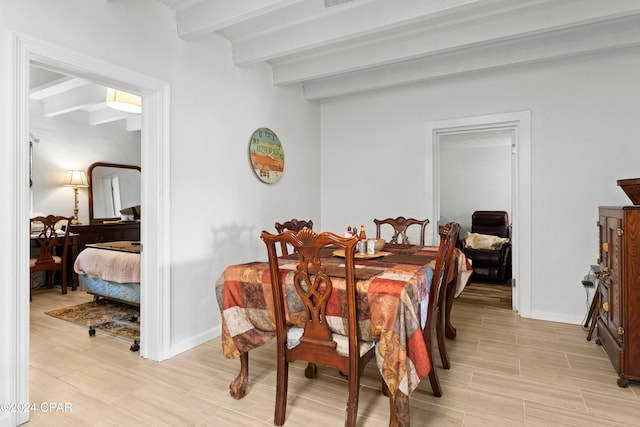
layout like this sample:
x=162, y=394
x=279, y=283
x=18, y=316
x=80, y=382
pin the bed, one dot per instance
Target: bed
x=110, y=270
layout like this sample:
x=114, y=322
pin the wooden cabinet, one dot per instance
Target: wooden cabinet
x=110, y=232
x=618, y=319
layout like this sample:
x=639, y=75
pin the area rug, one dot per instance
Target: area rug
x=109, y=317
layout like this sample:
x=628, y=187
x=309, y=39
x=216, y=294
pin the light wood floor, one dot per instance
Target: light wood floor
x=506, y=371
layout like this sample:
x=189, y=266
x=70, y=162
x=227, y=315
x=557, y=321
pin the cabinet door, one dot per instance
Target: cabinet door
x=630, y=286
x=613, y=262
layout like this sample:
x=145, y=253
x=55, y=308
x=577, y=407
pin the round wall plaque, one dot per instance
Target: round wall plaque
x=266, y=155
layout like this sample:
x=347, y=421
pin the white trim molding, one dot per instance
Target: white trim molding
x=520, y=122
x=155, y=225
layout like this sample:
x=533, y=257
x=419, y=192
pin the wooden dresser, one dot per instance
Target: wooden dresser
x=618, y=319
x=109, y=232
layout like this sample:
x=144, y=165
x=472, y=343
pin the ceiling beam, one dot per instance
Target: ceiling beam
x=107, y=115
x=444, y=39
x=72, y=100
x=56, y=87
x=204, y=18
x=362, y=45
x=352, y=24
x=134, y=123
x=61, y=94
x=618, y=34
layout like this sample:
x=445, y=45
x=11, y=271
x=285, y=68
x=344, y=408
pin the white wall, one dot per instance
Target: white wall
x=475, y=174
x=583, y=138
x=218, y=206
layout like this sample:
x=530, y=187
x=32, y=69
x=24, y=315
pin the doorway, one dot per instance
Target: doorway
x=519, y=125
x=155, y=147
x=476, y=164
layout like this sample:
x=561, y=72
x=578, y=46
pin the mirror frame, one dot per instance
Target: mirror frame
x=93, y=220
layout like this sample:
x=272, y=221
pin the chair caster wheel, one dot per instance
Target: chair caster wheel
x=135, y=346
x=92, y=331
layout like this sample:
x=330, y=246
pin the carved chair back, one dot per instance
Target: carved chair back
x=314, y=286
x=400, y=225
x=293, y=225
x=54, y=248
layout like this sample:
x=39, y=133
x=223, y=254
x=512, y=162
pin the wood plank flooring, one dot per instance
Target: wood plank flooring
x=487, y=295
x=506, y=371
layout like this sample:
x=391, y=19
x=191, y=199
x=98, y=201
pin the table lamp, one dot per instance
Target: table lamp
x=75, y=179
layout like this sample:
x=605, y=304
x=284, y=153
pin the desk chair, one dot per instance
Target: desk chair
x=293, y=225
x=315, y=343
x=50, y=241
x=400, y=226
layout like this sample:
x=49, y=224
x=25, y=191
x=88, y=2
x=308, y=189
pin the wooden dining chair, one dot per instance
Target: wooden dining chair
x=54, y=248
x=447, y=293
x=436, y=305
x=315, y=342
x=294, y=225
x=400, y=225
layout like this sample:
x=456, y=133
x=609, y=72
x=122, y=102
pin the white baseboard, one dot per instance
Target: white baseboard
x=558, y=317
x=194, y=341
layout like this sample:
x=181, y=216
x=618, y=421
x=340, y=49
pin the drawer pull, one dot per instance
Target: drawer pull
x=605, y=306
x=605, y=247
x=619, y=232
x=620, y=330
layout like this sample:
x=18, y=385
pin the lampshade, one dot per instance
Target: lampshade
x=124, y=101
x=75, y=179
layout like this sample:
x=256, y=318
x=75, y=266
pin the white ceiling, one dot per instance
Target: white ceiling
x=361, y=45
x=78, y=99
x=337, y=47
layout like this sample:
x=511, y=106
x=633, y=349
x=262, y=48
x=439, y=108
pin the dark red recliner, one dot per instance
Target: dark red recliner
x=492, y=265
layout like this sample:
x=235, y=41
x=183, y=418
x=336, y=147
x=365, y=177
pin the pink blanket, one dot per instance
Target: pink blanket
x=114, y=266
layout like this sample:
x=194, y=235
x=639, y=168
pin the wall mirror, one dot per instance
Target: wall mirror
x=112, y=187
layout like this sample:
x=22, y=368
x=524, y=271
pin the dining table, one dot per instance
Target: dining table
x=392, y=290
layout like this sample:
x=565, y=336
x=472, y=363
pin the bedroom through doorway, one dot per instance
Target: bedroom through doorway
x=72, y=127
x=155, y=151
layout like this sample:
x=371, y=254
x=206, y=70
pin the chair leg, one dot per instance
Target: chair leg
x=311, y=370
x=433, y=375
x=64, y=280
x=435, y=382
x=442, y=344
x=281, y=391
x=352, y=401
x=449, y=331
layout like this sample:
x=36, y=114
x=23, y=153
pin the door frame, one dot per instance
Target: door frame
x=520, y=123
x=155, y=227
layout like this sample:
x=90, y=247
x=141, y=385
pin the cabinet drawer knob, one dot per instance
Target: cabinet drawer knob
x=605, y=306
x=619, y=232
x=605, y=247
